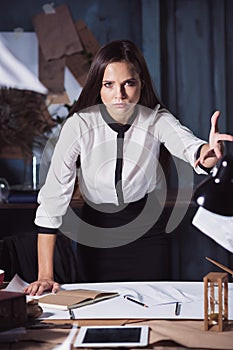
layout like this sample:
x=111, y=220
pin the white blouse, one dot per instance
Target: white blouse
x=118, y=162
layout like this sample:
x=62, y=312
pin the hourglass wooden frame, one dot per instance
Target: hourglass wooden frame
x=215, y=297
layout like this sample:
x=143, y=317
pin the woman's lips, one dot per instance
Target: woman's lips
x=120, y=105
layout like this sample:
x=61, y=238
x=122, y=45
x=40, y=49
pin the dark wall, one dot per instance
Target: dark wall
x=107, y=19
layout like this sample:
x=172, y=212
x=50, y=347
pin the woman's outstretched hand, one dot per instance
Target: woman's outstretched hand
x=213, y=151
x=41, y=285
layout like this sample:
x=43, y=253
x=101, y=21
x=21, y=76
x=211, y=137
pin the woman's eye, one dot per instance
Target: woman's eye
x=130, y=83
x=108, y=84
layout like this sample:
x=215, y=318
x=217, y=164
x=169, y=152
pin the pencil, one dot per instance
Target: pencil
x=221, y=266
x=135, y=301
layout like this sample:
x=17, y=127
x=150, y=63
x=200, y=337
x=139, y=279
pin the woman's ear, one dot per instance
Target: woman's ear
x=142, y=84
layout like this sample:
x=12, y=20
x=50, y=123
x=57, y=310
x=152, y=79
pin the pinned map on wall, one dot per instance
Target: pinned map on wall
x=62, y=43
x=56, y=57
x=24, y=47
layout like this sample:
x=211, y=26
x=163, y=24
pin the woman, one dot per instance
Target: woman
x=116, y=129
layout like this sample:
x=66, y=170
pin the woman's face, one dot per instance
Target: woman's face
x=121, y=90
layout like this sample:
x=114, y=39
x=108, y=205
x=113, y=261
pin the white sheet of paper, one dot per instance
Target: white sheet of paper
x=23, y=49
x=13, y=72
x=16, y=285
x=124, y=309
x=52, y=314
x=217, y=227
x=161, y=297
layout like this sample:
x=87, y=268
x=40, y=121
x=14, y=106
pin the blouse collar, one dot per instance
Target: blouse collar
x=113, y=124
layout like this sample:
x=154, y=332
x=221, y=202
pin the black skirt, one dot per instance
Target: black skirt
x=123, y=243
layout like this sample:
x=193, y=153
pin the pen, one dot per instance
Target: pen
x=177, y=309
x=135, y=301
x=72, y=316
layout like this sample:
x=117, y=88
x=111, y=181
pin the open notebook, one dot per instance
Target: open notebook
x=70, y=299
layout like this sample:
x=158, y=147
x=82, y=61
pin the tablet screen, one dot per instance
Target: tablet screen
x=112, y=336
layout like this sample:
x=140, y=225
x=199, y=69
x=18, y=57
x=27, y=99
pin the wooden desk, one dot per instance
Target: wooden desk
x=166, y=332
x=164, y=335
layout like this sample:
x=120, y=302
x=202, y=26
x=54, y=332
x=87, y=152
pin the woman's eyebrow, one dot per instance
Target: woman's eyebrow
x=124, y=81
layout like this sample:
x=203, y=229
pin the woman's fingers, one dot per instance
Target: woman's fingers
x=214, y=121
x=55, y=288
x=38, y=287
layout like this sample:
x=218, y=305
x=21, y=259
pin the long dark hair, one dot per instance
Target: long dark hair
x=115, y=51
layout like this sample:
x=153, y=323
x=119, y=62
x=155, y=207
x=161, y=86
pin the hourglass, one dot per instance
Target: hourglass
x=215, y=301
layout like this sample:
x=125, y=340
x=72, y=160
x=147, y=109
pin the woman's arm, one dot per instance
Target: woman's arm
x=46, y=246
x=212, y=151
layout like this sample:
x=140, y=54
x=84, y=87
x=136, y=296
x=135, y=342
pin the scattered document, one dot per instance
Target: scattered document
x=217, y=227
x=152, y=295
x=16, y=285
x=160, y=297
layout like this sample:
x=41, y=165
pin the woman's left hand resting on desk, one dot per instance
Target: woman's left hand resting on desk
x=45, y=280
x=41, y=285
x=212, y=151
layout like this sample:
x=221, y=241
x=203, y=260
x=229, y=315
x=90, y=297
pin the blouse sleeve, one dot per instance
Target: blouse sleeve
x=55, y=195
x=178, y=139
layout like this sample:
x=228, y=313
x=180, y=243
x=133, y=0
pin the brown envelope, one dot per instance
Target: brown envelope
x=56, y=33
x=51, y=73
x=79, y=64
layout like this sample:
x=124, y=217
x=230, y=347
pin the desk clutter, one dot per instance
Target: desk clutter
x=49, y=327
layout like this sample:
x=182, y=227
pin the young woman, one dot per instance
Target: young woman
x=116, y=129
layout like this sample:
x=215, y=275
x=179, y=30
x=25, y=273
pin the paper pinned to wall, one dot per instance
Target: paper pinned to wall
x=14, y=72
x=24, y=47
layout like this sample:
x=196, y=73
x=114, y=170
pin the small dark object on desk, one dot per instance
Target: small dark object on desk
x=177, y=309
x=72, y=315
x=135, y=301
x=33, y=309
x=13, y=311
x=49, y=325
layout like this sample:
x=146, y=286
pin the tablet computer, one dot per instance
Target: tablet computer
x=114, y=336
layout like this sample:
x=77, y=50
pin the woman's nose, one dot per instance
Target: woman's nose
x=120, y=92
